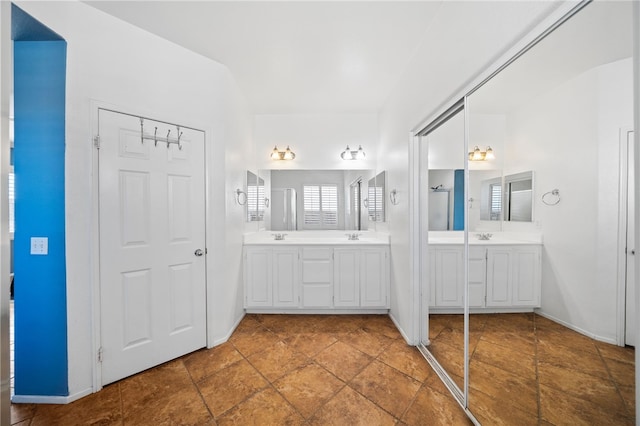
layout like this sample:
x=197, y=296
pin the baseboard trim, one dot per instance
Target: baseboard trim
x=50, y=399
x=611, y=341
x=226, y=337
x=406, y=338
x=332, y=311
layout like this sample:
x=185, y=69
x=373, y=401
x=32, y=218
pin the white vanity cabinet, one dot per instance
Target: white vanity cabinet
x=285, y=277
x=447, y=276
x=513, y=276
x=374, y=277
x=271, y=277
x=500, y=276
x=527, y=275
x=319, y=278
x=360, y=277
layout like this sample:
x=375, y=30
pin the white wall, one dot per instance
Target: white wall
x=6, y=90
x=449, y=59
x=115, y=63
x=569, y=137
x=317, y=140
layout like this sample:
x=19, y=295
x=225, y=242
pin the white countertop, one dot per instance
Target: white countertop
x=497, y=238
x=316, y=238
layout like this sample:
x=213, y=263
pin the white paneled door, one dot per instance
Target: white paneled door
x=152, y=244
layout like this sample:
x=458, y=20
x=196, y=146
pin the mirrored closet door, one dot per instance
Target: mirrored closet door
x=524, y=307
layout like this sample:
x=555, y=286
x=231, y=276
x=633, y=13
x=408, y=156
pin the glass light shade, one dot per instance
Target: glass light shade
x=360, y=153
x=288, y=154
x=346, y=154
x=488, y=155
x=477, y=154
x=275, y=155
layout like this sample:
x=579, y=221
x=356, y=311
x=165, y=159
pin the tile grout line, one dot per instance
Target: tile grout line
x=537, y=358
x=269, y=382
x=613, y=380
x=195, y=385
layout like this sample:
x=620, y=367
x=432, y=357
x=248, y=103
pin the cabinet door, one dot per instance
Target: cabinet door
x=374, y=277
x=449, y=276
x=526, y=276
x=258, y=278
x=285, y=277
x=346, y=277
x=499, y=276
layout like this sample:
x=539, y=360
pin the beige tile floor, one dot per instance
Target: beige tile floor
x=350, y=370
x=275, y=370
x=525, y=369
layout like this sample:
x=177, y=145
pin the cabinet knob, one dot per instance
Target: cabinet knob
x=198, y=252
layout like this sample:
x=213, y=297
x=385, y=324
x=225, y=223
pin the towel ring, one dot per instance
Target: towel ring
x=241, y=197
x=393, y=197
x=554, y=193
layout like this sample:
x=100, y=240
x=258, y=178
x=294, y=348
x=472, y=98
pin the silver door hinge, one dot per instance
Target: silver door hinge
x=100, y=355
x=96, y=141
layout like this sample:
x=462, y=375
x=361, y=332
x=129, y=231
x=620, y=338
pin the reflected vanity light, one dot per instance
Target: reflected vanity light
x=477, y=155
x=287, y=154
x=348, y=154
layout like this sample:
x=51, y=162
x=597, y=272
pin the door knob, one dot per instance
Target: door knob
x=198, y=252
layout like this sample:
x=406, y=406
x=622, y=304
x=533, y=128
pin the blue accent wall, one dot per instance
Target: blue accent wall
x=458, y=200
x=40, y=280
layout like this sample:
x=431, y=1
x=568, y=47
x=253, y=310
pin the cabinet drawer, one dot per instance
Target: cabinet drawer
x=317, y=271
x=477, y=252
x=317, y=296
x=315, y=253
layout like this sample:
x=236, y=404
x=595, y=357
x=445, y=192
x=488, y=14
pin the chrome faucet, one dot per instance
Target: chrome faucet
x=278, y=237
x=353, y=237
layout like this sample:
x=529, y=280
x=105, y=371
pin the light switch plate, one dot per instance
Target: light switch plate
x=39, y=245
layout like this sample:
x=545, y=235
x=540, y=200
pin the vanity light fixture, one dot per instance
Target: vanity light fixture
x=358, y=154
x=287, y=154
x=477, y=155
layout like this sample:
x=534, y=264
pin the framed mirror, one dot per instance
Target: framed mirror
x=318, y=199
x=380, y=199
x=518, y=197
x=255, y=205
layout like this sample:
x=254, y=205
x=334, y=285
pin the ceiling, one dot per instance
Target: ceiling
x=297, y=56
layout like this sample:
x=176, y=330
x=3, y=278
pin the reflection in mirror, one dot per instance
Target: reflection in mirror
x=380, y=201
x=255, y=198
x=442, y=191
x=318, y=199
x=355, y=207
x=568, y=94
x=518, y=197
x=370, y=202
x=491, y=199
x=375, y=201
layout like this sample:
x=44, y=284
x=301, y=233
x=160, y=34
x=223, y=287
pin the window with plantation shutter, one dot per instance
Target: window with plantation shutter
x=320, y=206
